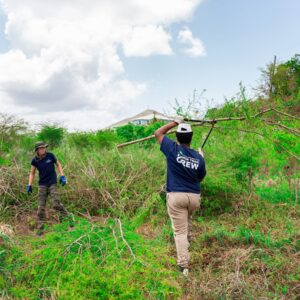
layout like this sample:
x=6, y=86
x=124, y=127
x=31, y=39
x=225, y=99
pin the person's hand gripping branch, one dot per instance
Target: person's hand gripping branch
x=178, y=119
x=160, y=132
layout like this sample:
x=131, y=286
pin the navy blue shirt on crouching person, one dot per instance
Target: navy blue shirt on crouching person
x=46, y=169
x=185, y=167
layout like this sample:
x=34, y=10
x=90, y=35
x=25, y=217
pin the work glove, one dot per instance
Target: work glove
x=29, y=189
x=179, y=119
x=201, y=152
x=63, y=180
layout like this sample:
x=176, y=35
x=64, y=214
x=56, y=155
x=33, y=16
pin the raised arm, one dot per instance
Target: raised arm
x=160, y=132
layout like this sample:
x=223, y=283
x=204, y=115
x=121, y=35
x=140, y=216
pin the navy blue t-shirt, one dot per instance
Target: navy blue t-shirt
x=46, y=168
x=185, y=167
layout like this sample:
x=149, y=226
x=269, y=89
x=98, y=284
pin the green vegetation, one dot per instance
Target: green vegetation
x=247, y=236
x=92, y=261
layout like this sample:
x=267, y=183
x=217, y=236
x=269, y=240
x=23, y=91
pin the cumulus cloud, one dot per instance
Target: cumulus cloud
x=147, y=40
x=64, y=59
x=195, y=46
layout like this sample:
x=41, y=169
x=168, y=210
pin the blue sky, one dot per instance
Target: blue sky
x=239, y=37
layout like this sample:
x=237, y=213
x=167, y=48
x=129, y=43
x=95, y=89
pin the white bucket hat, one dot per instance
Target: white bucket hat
x=184, y=128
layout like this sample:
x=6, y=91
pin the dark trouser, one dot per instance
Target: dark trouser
x=44, y=191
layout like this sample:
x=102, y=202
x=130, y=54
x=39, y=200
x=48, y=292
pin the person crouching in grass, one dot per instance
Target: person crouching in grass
x=45, y=163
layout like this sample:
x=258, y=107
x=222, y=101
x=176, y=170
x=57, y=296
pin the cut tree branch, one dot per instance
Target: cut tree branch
x=285, y=114
x=254, y=132
x=201, y=122
x=150, y=137
x=291, y=130
x=198, y=123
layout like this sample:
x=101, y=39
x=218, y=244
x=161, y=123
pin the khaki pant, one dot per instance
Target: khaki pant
x=44, y=191
x=180, y=209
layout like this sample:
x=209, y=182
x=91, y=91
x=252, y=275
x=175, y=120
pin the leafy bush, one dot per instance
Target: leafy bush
x=51, y=134
x=105, y=139
x=246, y=163
x=99, y=139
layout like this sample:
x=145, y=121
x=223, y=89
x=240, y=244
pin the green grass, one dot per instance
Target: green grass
x=246, y=253
x=281, y=193
x=91, y=262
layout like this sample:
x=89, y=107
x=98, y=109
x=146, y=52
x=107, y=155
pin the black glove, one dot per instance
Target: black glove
x=63, y=180
x=29, y=189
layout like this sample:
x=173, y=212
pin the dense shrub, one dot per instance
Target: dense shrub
x=51, y=134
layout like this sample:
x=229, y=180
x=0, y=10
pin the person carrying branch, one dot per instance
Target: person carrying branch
x=185, y=171
x=45, y=163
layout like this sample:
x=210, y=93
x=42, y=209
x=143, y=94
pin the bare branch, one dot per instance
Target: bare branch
x=254, y=132
x=291, y=130
x=122, y=236
x=150, y=137
x=242, y=118
x=198, y=123
x=285, y=114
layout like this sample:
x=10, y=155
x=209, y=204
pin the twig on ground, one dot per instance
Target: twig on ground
x=122, y=236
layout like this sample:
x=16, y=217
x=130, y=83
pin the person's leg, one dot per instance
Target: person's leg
x=41, y=213
x=57, y=205
x=178, y=212
x=194, y=204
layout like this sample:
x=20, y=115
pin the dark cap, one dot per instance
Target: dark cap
x=40, y=145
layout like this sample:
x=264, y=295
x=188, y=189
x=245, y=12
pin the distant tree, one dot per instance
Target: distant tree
x=130, y=132
x=126, y=132
x=10, y=127
x=282, y=79
x=51, y=134
x=105, y=138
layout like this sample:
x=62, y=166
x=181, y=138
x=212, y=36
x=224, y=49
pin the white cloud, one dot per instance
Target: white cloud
x=195, y=45
x=64, y=60
x=147, y=40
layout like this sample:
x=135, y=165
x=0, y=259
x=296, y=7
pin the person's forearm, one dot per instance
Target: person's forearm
x=164, y=129
x=31, y=177
x=60, y=170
